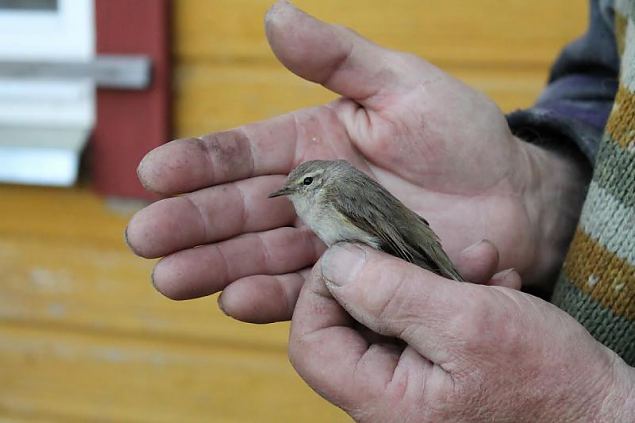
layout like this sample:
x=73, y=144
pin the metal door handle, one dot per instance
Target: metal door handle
x=108, y=71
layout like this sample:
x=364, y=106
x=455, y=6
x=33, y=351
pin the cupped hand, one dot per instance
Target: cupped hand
x=467, y=352
x=440, y=146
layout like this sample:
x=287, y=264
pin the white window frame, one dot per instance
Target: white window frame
x=65, y=34
x=45, y=123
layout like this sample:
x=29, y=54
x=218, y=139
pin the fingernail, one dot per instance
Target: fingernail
x=275, y=9
x=342, y=262
x=503, y=274
x=140, y=172
x=219, y=301
x=474, y=246
x=139, y=168
x=152, y=278
x=125, y=237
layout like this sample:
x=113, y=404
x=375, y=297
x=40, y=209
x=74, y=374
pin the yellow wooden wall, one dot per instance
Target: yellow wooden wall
x=226, y=74
x=84, y=337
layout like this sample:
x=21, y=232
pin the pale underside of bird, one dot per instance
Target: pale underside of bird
x=340, y=203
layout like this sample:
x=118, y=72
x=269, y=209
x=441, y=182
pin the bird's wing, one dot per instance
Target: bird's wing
x=410, y=239
x=431, y=248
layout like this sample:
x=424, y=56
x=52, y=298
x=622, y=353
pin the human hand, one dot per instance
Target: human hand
x=469, y=353
x=443, y=148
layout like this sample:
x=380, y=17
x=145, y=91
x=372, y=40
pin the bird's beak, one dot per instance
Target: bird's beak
x=282, y=191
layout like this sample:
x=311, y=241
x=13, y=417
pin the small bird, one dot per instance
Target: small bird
x=340, y=203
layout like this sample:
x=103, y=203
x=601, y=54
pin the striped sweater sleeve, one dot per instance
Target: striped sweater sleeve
x=597, y=283
x=588, y=107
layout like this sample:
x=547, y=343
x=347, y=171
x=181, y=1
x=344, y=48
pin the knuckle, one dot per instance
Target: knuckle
x=486, y=323
x=474, y=319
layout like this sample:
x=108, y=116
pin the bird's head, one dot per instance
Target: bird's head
x=308, y=178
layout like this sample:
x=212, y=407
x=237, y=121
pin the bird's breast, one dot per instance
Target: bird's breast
x=330, y=225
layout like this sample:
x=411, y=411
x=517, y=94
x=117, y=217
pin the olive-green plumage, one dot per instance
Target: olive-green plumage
x=340, y=203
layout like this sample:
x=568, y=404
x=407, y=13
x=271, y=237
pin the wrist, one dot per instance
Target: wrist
x=555, y=191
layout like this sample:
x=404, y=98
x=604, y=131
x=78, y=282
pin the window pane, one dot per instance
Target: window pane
x=28, y=4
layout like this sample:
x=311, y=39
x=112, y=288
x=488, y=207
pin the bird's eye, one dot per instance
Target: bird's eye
x=307, y=180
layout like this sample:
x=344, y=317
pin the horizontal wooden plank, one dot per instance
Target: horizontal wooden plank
x=218, y=96
x=451, y=31
x=85, y=337
x=60, y=215
x=64, y=263
x=59, y=376
x=211, y=97
x=92, y=289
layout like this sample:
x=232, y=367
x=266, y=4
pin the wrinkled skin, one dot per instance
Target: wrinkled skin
x=472, y=353
x=466, y=352
x=443, y=148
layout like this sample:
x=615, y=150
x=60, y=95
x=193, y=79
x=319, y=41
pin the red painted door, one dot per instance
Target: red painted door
x=130, y=123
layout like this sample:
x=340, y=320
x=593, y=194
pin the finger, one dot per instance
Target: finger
x=262, y=298
x=274, y=146
x=185, y=165
x=395, y=298
x=335, y=359
x=478, y=262
x=207, y=216
x=334, y=56
x=507, y=278
x=210, y=268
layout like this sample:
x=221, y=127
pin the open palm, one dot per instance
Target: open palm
x=441, y=147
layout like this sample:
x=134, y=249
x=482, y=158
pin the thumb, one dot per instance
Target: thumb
x=394, y=298
x=334, y=56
